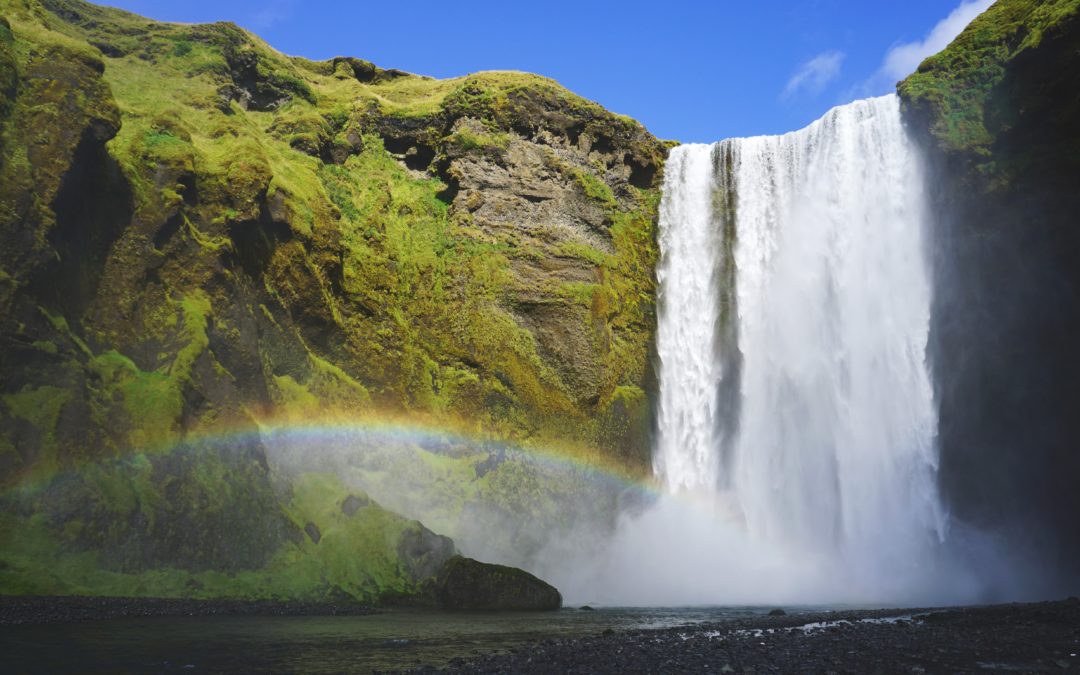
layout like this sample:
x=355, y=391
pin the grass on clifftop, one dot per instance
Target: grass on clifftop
x=957, y=84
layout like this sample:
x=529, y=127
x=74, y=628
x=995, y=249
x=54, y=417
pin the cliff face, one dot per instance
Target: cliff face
x=198, y=233
x=999, y=113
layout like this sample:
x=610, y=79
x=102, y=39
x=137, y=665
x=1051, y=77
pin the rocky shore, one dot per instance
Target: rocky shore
x=15, y=610
x=1030, y=638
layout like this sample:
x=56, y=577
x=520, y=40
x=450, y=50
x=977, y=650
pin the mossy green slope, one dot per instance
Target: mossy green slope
x=1010, y=68
x=197, y=232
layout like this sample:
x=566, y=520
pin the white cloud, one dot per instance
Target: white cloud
x=902, y=59
x=271, y=14
x=813, y=75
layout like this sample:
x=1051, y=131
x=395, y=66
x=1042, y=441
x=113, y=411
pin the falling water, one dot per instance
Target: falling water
x=687, y=338
x=795, y=408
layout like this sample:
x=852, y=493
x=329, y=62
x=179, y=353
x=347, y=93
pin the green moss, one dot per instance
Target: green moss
x=355, y=555
x=153, y=401
x=40, y=406
x=594, y=188
x=579, y=292
x=424, y=303
x=60, y=324
x=46, y=346
x=957, y=87
x=196, y=311
x=573, y=249
x=467, y=139
x=344, y=286
x=214, y=244
x=359, y=550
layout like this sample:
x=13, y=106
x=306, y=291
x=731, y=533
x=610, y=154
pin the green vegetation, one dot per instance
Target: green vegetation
x=356, y=555
x=466, y=139
x=960, y=91
x=595, y=188
x=198, y=233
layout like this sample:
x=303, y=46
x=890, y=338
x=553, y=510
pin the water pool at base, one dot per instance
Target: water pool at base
x=388, y=640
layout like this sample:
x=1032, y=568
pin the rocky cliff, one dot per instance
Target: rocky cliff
x=199, y=235
x=999, y=114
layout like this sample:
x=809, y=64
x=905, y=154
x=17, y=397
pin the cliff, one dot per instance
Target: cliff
x=998, y=112
x=199, y=235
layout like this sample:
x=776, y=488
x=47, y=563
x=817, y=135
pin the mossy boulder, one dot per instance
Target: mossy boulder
x=467, y=584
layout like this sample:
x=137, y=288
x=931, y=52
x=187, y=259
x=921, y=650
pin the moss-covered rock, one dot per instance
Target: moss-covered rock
x=209, y=521
x=476, y=251
x=464, y=583
x=198, y=234
x=1001, y=92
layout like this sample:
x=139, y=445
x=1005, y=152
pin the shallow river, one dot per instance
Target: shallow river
x=388, y=640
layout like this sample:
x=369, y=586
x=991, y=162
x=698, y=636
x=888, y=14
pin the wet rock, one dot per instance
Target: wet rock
x=353, y=503
x=777, y=612
x=424, y=552
x=313, y=532
x=464, y=583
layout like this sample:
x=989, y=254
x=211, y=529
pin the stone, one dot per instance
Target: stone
x=353, y=503
x=423, y=552
x=464, y=583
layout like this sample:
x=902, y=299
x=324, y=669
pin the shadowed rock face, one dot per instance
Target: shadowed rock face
x=464, y=583
x=999, y=114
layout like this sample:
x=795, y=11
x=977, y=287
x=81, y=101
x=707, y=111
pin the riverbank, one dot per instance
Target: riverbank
x=21, y=610
x=111, y=635
x=1034, y=638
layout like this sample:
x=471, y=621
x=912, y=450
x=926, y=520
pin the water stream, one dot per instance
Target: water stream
x=796, y=418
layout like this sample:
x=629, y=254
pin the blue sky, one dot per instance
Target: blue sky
x=689, y=70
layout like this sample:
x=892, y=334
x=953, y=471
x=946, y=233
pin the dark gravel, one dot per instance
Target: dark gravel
x=39, y=609
x=1028, y=638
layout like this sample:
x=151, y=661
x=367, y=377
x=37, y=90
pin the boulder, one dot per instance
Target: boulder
x=464, y=583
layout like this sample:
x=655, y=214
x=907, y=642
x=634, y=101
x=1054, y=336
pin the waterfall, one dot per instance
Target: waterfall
x=687, y=456
x=795, y=410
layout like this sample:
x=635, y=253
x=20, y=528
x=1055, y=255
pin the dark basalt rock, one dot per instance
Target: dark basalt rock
x=464, y=583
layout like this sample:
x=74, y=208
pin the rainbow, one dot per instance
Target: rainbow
x=340, y=431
